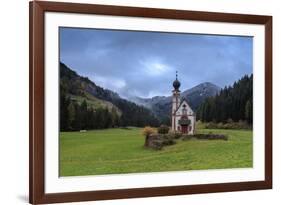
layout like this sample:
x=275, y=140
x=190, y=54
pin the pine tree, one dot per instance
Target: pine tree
x=249, y=112
x=64, y=102
x=71, y=115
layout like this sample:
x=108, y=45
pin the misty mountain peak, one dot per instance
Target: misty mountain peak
x=161, y=105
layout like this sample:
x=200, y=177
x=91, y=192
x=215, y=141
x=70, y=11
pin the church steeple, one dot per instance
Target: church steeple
x=182, y=117
x=175, y=101
x=176, y=83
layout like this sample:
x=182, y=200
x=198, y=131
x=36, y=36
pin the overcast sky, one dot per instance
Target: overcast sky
x=144, y=63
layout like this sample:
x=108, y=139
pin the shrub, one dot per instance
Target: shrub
x=147, y=131
x=177, y=135
x=168, y=136
x=163, y=129
x=229, y=120
x=228, y=125
x=187, y=137
x=210, y=136
x=200, y=124
x=220, y=125
x=243, y=125
x=211, y=125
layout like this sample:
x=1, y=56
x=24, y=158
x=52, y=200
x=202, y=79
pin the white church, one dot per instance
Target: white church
x=183, y=117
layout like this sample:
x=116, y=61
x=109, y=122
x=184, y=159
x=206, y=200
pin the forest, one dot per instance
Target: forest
x=233, y=103
x=80, y=116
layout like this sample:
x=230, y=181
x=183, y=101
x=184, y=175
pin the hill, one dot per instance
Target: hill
x=81, y=88
x=83, y=99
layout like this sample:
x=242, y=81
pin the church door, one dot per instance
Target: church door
x=184, y=128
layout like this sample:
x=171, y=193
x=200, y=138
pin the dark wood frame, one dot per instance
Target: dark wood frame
x=37, y=95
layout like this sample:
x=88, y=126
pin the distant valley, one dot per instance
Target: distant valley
x=161, y=105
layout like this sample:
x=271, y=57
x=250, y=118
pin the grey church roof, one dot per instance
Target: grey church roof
x=183, y=100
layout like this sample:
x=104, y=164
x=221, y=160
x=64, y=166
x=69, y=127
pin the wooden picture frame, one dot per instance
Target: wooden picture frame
x=37, y=11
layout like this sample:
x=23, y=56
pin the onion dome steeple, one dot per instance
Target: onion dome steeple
x=176, y=83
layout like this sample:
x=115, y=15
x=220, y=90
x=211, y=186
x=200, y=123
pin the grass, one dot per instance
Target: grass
x=114, y=151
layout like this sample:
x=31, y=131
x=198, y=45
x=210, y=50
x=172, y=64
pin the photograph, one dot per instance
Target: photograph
x=147, y=101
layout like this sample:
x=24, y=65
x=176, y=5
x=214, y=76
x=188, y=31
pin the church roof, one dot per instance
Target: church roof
x=182, y=101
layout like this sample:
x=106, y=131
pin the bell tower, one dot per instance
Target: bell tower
x=175, y=101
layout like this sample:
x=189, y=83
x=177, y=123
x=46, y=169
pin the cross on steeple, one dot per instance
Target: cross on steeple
x=176, y=74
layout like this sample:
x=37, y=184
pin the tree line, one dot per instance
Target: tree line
x=232, y=103
x=135, y=115
x=75, y=116
x=82, y=116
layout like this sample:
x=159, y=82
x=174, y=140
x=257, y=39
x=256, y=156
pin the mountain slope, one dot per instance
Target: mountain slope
x=79, y=88
x=196, y=95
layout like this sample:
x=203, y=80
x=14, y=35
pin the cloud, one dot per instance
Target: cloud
x=112, y=83
x=154, y=67
x=144, y=63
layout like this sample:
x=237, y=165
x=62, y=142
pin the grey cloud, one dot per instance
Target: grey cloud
x=144, y=63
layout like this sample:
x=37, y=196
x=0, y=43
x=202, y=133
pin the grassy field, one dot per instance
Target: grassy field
x=114, y=151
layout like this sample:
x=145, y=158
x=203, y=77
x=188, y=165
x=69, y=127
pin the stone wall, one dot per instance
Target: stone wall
x=158, y=141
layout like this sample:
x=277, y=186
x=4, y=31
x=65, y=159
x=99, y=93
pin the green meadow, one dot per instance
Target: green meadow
x=115, y=151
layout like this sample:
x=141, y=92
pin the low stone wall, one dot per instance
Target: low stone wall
x=158, y=141
x=206, y=137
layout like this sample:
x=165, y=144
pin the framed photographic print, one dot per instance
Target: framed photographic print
x=138, y=102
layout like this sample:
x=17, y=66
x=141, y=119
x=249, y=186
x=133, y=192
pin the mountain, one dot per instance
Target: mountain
x=233, y=103
x=161, y=106
x=196, y=95
x=80, y=89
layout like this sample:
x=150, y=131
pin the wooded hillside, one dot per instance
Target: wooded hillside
x=232, y=103
x=85, y=105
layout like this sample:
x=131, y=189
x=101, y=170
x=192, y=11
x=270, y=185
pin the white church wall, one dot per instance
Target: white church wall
x=191, y=117
x=192, y=120
x=192, y=123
